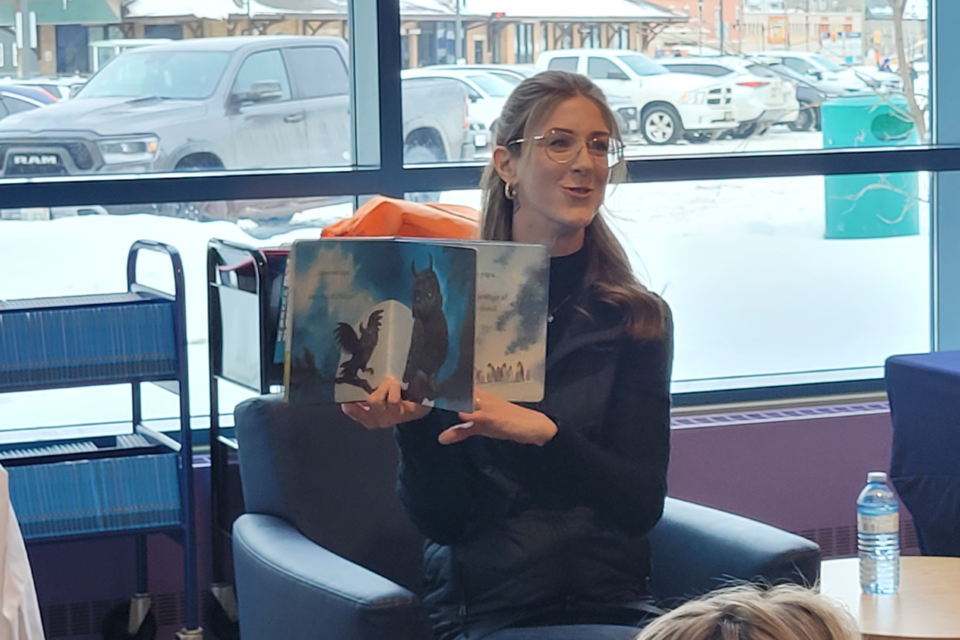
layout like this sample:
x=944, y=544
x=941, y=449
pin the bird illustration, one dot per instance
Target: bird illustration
x=360, y=347
x=429, y=340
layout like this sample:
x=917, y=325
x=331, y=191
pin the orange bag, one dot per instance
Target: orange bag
x=382, y=216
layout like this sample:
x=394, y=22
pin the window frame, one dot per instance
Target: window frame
x=375, y=63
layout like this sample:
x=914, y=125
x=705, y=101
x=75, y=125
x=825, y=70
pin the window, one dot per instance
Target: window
x=4, y=111
x=491, y=85
x=262, y=68
x=621, y=38
x=733, y=231
x=746, y=263
x=320, y=70
x=800, y=66
x=642, y=65
x=602, y=69
x=524, y=43
x=700, y=69
x=563, y=64
x=186, y=75
x=590, y=36
x=15, y=105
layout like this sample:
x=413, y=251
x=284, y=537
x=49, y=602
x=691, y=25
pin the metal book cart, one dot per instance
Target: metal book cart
x=243, y=296
x=136, y=483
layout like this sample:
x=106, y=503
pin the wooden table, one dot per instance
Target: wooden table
x=926, y=606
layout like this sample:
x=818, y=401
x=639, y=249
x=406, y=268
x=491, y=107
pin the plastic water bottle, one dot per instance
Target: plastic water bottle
x=878, y=536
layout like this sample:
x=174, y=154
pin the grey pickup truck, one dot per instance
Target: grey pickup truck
x=259, y=102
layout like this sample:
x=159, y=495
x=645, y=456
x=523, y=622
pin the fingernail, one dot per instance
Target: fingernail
x=365, y=407
x=465, y=425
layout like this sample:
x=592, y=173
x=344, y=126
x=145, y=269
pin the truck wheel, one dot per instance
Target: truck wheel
x=805, y=120
x=698, y=137
x=199, y=162
x=419, y=154
x=661, y=125
x=744, y=131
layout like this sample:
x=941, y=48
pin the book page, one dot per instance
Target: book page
x=511, y=334
x=362, y=309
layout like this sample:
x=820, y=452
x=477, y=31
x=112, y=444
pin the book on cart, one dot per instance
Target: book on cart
x=441, y=317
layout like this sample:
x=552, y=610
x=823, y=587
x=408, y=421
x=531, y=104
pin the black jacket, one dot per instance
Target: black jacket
x=516, y=528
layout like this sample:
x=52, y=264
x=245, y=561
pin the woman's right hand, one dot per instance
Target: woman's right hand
x=384, y=408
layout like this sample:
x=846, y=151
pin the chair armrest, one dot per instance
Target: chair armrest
x=695, y=549
x=288, y=587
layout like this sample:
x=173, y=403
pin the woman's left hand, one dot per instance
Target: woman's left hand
x=494, y=417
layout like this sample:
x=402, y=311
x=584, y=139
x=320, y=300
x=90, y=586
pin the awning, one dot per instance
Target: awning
x=90, y=12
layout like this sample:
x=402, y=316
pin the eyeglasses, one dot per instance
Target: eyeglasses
x=563, y=146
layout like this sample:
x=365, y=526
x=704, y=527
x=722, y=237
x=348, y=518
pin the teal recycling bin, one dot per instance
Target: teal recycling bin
x=870, y=205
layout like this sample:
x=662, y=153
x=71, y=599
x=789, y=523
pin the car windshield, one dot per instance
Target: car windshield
x=509, y=78
x=643, y=66
x=761, y=70
x=491, y=85
x=827, y=64
x=177, y=75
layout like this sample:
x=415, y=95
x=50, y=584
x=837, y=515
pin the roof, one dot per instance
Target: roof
x=233, y=43
x=224, y=9
x=602, y=10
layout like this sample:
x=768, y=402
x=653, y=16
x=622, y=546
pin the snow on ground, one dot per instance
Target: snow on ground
x=755, y=288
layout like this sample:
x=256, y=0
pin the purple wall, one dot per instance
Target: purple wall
x=797, y=475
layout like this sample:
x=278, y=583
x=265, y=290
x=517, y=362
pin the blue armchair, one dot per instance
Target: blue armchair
x=325, y=550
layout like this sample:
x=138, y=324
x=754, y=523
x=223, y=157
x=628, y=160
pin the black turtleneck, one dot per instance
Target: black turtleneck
x=567, y=274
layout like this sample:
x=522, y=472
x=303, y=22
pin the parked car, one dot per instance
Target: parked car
x=623, y=108
x=511, y=73
x=761, y=98
x=811, y=93
x=670, y=104
x=487, y=93
x=17, y=99
x=58, y=88
x=235, y=102
x=818, y=66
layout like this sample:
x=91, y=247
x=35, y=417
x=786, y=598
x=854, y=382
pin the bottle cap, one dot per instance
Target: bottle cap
x=879, y=477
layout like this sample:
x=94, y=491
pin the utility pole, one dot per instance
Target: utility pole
x=458, y=46
x=26, y=41
x=786, y=20
x=720, y=26
x=700, y=31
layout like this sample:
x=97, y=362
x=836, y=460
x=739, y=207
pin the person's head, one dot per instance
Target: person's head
x=556, y=140
x=557, y=145
x=786, y=612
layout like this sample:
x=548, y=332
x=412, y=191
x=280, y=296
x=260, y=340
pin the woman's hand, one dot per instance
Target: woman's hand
x=383, y=408
x=496, y=418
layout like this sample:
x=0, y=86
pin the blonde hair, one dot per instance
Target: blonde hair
x=785, y=612
x=610, y=278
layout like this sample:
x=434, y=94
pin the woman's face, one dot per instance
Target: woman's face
x=556, y=201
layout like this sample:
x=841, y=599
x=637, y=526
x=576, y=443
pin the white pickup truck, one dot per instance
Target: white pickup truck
x=671, y=105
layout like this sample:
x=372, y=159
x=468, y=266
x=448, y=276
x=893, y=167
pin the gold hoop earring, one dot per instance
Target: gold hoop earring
x=509, y=191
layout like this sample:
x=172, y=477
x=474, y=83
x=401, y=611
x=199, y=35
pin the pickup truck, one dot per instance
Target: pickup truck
x=251, y=102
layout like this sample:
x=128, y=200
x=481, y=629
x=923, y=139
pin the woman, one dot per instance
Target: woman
x=537, y=514
x=786, y=612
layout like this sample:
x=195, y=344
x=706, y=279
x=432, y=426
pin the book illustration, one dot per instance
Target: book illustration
x=511, y=339
x=429, y=339
x=358, y=347
x=361, y=309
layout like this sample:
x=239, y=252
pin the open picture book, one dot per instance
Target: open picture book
x=442, y=317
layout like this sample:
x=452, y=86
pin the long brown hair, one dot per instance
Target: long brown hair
x=749, y=612
x=610, y=280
